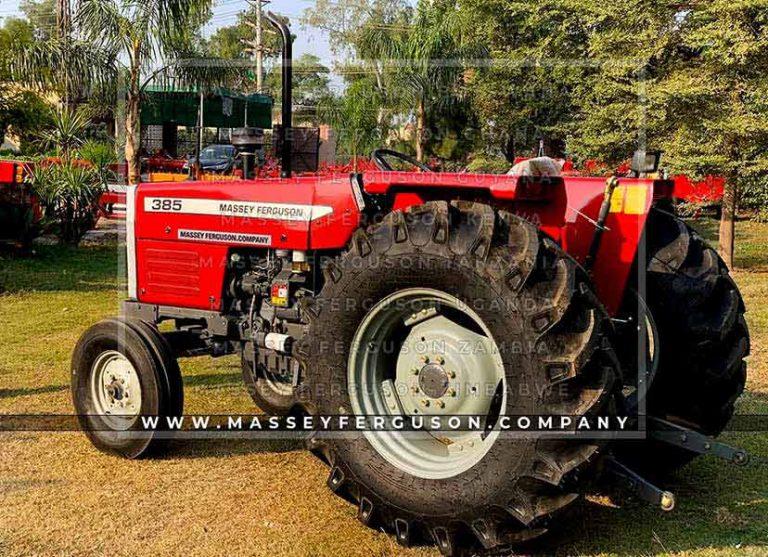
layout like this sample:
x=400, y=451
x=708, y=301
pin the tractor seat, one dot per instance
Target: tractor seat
x=538, y=167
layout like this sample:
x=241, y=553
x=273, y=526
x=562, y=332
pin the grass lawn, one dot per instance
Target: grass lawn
x=59, y=496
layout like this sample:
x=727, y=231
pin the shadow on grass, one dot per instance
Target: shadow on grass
x=719, y=507
x=62, y=268
x=12, y=393
x=217, y=448
x=213, y=380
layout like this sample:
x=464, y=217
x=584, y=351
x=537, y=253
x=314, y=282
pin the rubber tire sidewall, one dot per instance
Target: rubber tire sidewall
x=262, y=393
x=487, y=480
x=128, y=340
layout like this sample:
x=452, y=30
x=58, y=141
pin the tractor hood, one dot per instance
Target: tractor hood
x=180, y=234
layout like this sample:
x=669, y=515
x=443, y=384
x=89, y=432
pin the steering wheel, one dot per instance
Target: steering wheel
x=380, y=156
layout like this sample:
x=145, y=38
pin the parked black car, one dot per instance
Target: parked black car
x=215, y=158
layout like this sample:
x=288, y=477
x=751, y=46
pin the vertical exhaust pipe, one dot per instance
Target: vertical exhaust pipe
x=286, y=132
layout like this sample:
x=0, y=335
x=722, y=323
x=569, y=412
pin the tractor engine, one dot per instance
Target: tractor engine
x=266, y=289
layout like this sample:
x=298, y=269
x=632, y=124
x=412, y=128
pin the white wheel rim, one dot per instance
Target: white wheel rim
x=423, y=454
x=115, y=389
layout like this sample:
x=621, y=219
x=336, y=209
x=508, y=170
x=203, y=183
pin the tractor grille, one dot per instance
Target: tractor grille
x=174, y=272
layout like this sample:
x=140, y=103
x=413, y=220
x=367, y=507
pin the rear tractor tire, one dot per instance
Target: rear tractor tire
x=123, y=369
x=703, y=339
x=451, y=309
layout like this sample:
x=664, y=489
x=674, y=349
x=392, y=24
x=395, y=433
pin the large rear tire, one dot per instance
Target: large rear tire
x=504, y=284
x=703, y=338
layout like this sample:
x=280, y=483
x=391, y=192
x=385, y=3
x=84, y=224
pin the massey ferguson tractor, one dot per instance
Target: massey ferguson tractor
x=413, y=293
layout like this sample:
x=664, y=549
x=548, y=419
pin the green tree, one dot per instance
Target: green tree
x=538, y=55
x=420, y=66
x=311, y=80
x=66, y=132
x=354, y=117
x=690, y=80
x=346, y=22
x=41, y=16
x=720, y=100
x=235, y=42
x=143, y=33
x=22, y=112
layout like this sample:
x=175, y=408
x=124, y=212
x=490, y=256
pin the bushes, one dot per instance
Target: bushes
x=69, y=192
x=489, y=165
x=101, y=155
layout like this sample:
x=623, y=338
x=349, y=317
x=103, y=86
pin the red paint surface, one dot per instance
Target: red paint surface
x=158, y=231
x=562, y=207
x=7, y=172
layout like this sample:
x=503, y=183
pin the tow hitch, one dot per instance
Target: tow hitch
x=678, y=436
x=641, y=487
x=691, y=440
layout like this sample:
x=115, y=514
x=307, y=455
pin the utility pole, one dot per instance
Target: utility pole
x=259, y=49
x=258, y=45
x=64, y=31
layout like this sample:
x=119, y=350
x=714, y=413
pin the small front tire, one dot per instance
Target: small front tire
x=123, y=369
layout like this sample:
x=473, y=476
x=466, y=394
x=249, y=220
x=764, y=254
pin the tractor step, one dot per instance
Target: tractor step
x=693, y=441
x=640, y=486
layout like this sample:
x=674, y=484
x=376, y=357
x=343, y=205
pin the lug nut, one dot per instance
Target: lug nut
x=451, y=392
x=440, y=404
x=415, y=389
x=425, y=402
x=452, y=374
x=667, y=501
x=425, y=359
x=415, y=370
x=440, y=360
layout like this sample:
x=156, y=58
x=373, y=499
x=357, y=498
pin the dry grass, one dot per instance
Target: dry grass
x=59, y=496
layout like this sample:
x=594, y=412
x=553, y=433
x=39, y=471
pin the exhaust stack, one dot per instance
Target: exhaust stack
x=286, y=131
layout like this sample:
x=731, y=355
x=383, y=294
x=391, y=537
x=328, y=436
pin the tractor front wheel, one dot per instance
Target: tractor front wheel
x=123, y=369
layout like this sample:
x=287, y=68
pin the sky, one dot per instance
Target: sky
x=225, y=13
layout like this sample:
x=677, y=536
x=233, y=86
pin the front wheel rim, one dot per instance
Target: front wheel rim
x=422, y=352
x=115, y=390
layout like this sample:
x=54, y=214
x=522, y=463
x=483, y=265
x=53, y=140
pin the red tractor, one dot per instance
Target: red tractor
x=20, y=210
x=402, y=294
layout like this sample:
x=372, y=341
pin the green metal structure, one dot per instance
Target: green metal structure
x=222, y=108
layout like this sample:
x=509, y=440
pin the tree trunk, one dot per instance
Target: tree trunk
x=132, y=118
x=728, y=221
x=131, y=146
x=421, y=121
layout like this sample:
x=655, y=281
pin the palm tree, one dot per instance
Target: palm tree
x=67, y=130
x=426, y=61
x=142, y=32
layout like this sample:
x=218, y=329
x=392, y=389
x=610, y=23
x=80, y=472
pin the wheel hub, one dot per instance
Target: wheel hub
x=115, y=389
x=433, y=380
